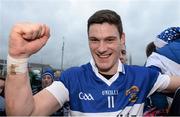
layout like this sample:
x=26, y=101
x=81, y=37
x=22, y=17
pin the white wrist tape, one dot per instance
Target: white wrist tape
x=16, y=66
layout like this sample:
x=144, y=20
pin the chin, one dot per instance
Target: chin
x=103, y=68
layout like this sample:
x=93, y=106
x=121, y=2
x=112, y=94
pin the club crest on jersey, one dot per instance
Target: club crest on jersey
x=85, y=96
x=132, y=92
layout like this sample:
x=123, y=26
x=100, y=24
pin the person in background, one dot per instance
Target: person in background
x=156, y=104
x=123, y=54
x=47, y=78
x=57, y=74
x=35, y=80
x=2, y=101
x=166, y=56
x=150, y=48
x=104, y=86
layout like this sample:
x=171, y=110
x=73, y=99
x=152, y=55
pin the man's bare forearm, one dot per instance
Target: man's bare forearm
x=25, y=39
x=19, y=98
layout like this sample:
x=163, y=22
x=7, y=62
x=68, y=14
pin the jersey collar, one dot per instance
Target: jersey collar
x=113, y=78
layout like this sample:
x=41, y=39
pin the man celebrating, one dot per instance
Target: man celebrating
x=104, y=86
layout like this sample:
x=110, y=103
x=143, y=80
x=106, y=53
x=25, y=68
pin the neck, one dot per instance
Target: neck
x=107, y=76
x=110, y=71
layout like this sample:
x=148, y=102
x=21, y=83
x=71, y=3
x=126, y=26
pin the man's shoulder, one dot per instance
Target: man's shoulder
x=139, y=69
x=135, y=67
x=75, y=75
x=78, y=69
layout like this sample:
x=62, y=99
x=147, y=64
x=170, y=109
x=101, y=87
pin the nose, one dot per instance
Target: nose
x=45, y=78
x=102, y=47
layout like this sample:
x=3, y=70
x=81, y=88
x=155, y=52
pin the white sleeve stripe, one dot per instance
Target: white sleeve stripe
x=161, y=83
x=166, y=65
x=59, y=91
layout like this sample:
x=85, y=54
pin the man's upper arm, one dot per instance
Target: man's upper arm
x=50, y=99
x=45, y=103
x=59, y=91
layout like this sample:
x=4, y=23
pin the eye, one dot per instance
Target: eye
x=110, y=39
x=93, y=40
x=123, y=52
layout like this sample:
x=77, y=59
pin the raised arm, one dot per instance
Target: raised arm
x=25, y=40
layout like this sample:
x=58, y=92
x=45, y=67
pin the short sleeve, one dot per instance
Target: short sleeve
x=59, y=91
x=161, y=83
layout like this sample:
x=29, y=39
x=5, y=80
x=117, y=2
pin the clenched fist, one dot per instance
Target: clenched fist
x=27, y=38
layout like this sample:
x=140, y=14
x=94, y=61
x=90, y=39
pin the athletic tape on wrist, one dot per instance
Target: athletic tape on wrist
x=16, y=66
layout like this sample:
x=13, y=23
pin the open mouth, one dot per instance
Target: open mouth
x=104, y=56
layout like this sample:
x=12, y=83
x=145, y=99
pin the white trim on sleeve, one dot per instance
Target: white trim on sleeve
x=59, y=91
x=166, y=65
x=161, y=83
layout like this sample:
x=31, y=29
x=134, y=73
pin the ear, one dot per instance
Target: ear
x=123, y=38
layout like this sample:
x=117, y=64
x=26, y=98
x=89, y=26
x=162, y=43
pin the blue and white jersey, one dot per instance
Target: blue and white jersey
x=167, y=55
x=166, y=65
x=90, y=94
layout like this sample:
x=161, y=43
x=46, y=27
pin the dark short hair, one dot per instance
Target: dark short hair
x=150, y=48
x=106, y=16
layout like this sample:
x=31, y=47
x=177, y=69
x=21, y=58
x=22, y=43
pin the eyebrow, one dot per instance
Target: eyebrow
x=105, y=37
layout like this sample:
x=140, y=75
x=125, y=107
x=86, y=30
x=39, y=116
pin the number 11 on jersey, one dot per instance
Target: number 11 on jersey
x=110, y=101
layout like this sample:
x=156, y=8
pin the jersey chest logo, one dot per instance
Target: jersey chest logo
x=85, y=96
x=132, y=92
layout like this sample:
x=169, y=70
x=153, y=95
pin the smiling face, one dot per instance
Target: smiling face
x=104, y=43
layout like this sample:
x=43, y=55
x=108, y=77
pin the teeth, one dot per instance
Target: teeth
x=103, y=56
